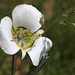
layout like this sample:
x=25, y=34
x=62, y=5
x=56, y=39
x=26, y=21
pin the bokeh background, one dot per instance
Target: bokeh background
x=59, y=26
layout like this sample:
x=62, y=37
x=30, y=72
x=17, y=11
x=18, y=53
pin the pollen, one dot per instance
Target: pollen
x=24, y=38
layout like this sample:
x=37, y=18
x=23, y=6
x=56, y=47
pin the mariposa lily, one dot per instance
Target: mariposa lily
x=23, y=32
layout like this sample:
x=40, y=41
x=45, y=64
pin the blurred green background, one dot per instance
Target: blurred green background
x=60, y=28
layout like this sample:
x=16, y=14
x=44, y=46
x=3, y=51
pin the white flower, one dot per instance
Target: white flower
x=22, y=33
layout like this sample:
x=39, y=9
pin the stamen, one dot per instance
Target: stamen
x=23, y=37
x=20, y=35
x=26, y=38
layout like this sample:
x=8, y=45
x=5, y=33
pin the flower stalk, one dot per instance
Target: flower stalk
x=12, y=73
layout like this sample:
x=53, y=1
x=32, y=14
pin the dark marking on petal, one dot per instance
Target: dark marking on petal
x=42, y=20
x=23, y=43
x=11, y=40
x=48, y=44
x=21, y=27
x=45, y=56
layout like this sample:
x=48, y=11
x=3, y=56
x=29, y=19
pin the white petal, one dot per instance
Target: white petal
x=7, y=44
x=41, y=46
x=0, y=35
x=27, y=16
x=23, y=53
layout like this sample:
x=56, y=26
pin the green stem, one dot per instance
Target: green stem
x=28, y=73
x=12, y=73
x=48, y=29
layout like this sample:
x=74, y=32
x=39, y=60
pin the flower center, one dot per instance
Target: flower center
x=23, y=37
